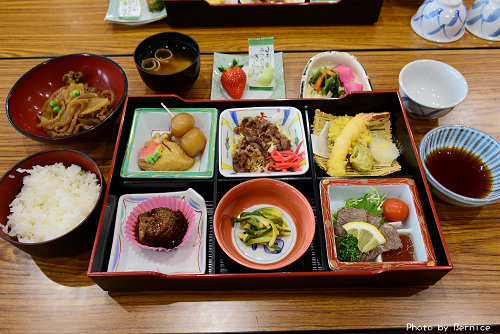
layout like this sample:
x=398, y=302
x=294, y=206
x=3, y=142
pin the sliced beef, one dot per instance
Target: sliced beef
x=252, y=149
x=392, y=242
x=374, y=220
x=73, y=77
x=347, y=214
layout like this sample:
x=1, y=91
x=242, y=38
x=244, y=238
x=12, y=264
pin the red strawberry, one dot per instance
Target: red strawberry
x=233, y=79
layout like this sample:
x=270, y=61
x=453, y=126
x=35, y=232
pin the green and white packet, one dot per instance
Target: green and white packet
x=261, y=64
x=129, y=9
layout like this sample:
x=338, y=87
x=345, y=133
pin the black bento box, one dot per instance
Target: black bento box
x=188, y=13
x=312, y=269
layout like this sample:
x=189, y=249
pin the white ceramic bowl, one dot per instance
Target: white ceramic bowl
x=431, y=89
x=331, y=59
x=441, y=21
x=483, y=19
x=480, y=143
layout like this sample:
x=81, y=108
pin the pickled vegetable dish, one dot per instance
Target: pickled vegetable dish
x=262, y=226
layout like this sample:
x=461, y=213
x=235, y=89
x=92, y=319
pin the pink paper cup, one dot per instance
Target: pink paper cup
x=173, y=204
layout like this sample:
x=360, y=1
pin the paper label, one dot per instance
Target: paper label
x=261, y=64
x=129, y=9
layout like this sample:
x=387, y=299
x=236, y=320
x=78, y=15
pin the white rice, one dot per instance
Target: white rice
x=53, y=200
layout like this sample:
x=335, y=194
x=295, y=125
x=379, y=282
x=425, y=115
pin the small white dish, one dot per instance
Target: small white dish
x=330, y=59
x=430, y=89
x=260, y=254
x=145, y=17
x=190, y=258
x=225, y=60
x=289, y=119
x=149, y=121
x=441, y=21
x=483, y=19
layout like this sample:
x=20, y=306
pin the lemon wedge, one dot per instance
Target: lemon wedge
x=368, y=235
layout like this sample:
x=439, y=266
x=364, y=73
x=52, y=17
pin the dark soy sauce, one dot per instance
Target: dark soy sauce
x=460, y=171
x=405, y=253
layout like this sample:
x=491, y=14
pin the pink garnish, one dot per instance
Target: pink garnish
x=345, y=73
x=353, y=87
x=149, y=150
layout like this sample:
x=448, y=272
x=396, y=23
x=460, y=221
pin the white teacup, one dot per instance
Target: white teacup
x=441, y=21
x=430, y=89
x=483, y=19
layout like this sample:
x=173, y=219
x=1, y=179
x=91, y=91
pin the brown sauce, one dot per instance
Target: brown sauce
x=177, y=64
x=405, y=253
x=460, y=171
x=179, y=61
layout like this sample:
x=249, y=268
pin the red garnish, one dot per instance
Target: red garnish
x=285, y=160
x=155, y=5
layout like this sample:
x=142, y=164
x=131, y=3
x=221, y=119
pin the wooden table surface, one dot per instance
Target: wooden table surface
x=53, y=295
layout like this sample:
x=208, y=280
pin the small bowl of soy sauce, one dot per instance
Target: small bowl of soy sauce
x=462, y=165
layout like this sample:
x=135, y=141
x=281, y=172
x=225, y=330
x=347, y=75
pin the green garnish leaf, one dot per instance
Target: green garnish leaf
x=371, y=202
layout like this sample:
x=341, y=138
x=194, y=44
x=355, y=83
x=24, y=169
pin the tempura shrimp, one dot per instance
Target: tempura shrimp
x=338, y=155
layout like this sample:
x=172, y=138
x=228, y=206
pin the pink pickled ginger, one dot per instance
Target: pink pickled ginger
x=345, y=73
x=353, y=87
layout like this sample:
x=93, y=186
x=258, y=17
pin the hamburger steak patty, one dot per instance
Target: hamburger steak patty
x=161, y=227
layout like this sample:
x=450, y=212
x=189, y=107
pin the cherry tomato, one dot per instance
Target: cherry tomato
x=395, y=210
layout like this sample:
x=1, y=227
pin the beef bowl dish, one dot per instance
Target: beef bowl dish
x=67, y=98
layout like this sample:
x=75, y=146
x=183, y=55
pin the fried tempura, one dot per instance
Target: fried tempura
x=341, y=148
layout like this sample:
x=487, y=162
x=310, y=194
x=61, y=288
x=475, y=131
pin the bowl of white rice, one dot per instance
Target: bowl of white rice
x=51, y=203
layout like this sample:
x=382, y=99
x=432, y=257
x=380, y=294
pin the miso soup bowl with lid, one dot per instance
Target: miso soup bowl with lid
x=475, y=141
